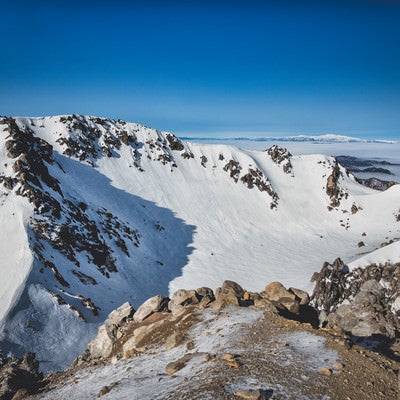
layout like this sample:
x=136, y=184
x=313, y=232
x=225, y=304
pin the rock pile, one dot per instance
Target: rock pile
x=165, y=321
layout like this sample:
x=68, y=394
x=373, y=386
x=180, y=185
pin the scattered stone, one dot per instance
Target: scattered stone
x=177, y=365
x=209, y=357
x=251, y=394
x=227, y=357
x=338, y=367
x=233, y=364
x=174, y=366
x=325, y=371
x=106, y=389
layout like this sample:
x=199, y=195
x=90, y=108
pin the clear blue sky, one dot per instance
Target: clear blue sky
x=208, y=67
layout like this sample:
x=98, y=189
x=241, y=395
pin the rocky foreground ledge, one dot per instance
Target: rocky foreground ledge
x=232, y=344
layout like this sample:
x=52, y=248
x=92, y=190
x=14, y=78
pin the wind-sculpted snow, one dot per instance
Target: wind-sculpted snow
x=100, y=211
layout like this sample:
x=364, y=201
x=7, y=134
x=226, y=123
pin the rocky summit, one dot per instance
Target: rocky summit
x=231, y=344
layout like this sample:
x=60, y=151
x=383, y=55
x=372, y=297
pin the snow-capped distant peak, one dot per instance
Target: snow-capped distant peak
x=326, y=138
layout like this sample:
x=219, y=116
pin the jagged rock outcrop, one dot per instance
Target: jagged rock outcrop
x=17, y=374
x=281, y=156
x=332, y=187
x=362, y=302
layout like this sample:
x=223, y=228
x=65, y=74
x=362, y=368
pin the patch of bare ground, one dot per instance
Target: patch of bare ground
x=268, y=361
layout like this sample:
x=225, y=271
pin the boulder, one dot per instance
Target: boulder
x=150, y=306
x=102, y=345
x=121, y=314
x=207, y=296
x=182, y=298
x=229, y=293
x=277, y=293
x=302, y=295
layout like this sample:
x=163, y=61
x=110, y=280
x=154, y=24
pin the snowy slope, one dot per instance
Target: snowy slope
x=113, y=211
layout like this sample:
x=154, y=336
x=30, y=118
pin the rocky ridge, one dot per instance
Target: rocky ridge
x=194, y=332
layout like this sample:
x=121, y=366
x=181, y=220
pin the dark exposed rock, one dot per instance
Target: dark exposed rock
x=203, y=161
x=356, y=301
x=281, y=156
x=234, y=168
x=187, y=155
x=19, y=373
x=174, y=143
x=255, y=178
x=332, y=188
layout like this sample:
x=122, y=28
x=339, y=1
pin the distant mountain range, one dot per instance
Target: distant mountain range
x=328, y=138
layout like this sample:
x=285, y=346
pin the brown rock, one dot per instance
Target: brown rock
x=338, y=367
x=150, y=306
x=229, y=293
x=250, y=394
x=174, y=366
x=182, y=298
x=227, y=357
x=276, y=292
x=325, y=371
x=302, y=295
x=233, y=364
x=21, y=394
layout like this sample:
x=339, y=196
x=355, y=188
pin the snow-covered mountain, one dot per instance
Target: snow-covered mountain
x=96, y=212
x=327, y=138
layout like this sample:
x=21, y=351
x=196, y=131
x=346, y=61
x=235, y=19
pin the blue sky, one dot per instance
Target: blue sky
x=221, y=68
